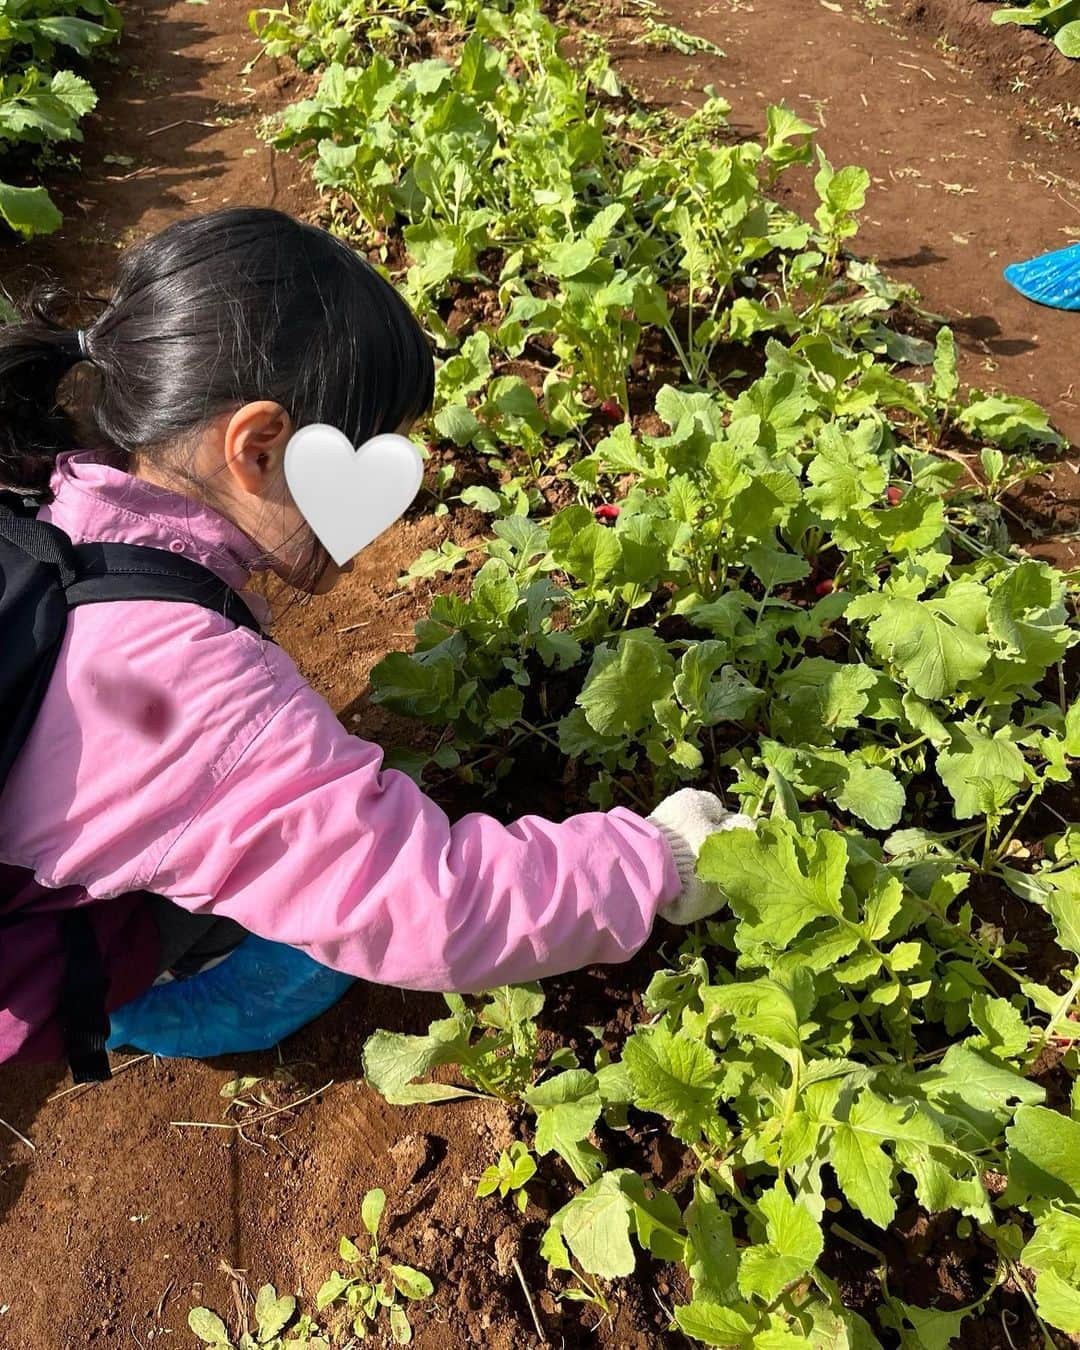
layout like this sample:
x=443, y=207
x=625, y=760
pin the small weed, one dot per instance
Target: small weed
x=515, y=1168
x=273, y=1313
x=375, y=1284
x=667, y=35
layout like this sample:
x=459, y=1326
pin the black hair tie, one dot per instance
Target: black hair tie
x=73, y=345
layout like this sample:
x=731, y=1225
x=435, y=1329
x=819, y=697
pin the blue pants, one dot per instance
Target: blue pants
x=259, y=994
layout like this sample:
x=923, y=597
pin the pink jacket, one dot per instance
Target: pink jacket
x=178, y=755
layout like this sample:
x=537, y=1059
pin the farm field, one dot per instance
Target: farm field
x=971, y=143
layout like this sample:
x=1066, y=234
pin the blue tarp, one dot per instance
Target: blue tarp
x=1053, y=279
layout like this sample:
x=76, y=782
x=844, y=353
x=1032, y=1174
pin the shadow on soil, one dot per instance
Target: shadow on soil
x=24, y=1090
x=327, y=1049
x=925, y=256
x=983, y=333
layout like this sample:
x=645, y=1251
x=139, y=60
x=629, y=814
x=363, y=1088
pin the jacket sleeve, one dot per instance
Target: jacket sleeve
x=307, y=840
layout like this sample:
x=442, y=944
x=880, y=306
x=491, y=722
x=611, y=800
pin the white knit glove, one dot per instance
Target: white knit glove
x=686, y=819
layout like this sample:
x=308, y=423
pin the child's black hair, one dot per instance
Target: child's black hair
x=212, y=313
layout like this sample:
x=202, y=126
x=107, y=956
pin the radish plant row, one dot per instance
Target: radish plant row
x=41, y=100
x=1060, y=19
x=744, y=532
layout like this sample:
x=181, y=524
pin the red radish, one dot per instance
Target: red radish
x=378, y=238
x=607, y=512
x=894, y=496
x=611, y=410
x=825, y=587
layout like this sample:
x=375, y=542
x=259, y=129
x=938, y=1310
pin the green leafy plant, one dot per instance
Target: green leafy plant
x=510, y=1175
x=370, y=1289
x=494, y=1044
x=41, y=106
x=936, y=669
x=373, y=1289
x=793, y=583
x=40, y=27
x=1059, y=18
x=273, y=1313
x=583, y=220
x=324, y=31
x=655, y=34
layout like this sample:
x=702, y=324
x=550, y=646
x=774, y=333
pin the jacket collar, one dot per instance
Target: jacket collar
x=94, y=501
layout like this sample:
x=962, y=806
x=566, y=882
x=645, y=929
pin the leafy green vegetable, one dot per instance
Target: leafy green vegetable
x=1059, y=18
x=41, y=106
x=272, y=1314
x=208, y=1327
x=770, y=584
x=595, y=1226
x=515, y=1168
x=504, y=1021
x=675, y=1077
x=793, y=1243
x=1045, y=1153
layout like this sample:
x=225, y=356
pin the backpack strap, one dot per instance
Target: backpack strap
x=136, y=572
x=37, y=538
x=84, y=1023
x=90, y=573
x=82, y=1000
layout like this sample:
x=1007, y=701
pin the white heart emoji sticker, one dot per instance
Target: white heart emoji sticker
x=350, y=496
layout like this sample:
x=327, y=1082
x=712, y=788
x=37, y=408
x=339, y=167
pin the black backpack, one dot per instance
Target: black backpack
x=43, y=575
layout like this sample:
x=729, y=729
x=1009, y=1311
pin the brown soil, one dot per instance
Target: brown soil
x=118, y=1221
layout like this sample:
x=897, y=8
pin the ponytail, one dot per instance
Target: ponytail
x=213, y=312
x=35, y=355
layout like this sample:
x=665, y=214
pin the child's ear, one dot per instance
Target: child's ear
x=255, y=439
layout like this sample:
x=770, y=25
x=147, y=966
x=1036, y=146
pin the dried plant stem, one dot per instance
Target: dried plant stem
x=529, y=1300
x=18, y=1135
x=241, y=1125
